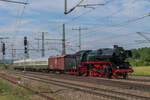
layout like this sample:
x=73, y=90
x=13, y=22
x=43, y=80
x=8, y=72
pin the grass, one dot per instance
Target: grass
x=141, y=70
x=44, y=88
x=11, y=92
x=2, y=66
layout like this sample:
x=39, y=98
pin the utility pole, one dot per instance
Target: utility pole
x=65, y=6
x=3, y=47
x=38, y=45
x=43, y=47
x=12, y=53
x=43, y=42
x=3, y=50
x=73, y=8
x=79, y=29
x=28, y=51
x=63, y=41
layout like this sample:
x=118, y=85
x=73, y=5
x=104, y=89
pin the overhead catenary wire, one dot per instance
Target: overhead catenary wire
x=87, y=12
x=17, y=2
x=128, y=21
x=142, y=35
x=123, y=23
x=119, y=10
x=114, y=13
x=83, y=14
x=110, y=26
x=19, y=20
x=22, y=13
x=94, y=5
x=79, y=16
x=132, y=20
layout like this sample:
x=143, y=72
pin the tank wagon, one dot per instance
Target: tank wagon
x=105, y=62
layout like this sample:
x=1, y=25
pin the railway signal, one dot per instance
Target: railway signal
x=25, y=45
x=25, y=51
x=3, y=48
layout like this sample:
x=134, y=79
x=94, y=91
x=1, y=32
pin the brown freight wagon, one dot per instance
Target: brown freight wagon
x=62, y=63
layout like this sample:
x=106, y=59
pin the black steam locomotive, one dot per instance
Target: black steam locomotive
x=106, y=62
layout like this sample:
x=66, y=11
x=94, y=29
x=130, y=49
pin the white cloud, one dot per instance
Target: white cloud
x=44, y=15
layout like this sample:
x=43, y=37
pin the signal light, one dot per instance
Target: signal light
x=25, y=41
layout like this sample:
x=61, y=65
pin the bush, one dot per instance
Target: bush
x=141, y=57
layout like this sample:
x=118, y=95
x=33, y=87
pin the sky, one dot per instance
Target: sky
x=115, y=22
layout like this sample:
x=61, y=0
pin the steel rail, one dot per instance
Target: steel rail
x=90, y=88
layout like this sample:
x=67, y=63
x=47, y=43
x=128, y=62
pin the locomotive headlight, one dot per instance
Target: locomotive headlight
x=121, y=52
x=117, y=67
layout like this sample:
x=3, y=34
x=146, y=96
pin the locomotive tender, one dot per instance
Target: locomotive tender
x=106, y=62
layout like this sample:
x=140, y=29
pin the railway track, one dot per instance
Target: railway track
x=111, y=94
x=129, y=79
x=142, y=79
x=115, y=83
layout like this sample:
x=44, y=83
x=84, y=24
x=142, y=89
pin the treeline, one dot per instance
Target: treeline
x=140, y=57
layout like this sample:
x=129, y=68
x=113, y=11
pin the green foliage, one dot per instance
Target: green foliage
x=4, y=87
x=140, y=57
x=11, y=92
